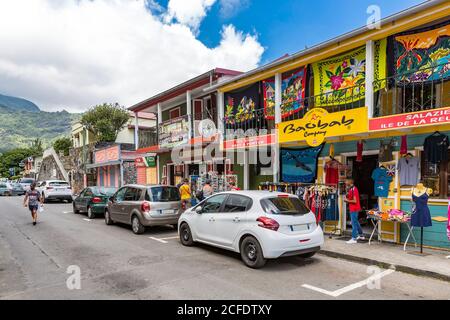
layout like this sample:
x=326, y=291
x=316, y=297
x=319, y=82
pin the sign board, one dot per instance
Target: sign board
x=146, y=162
x=249, y=142
x=174, y=132
x=318, y=124
x=408, y=120
x=107, y=155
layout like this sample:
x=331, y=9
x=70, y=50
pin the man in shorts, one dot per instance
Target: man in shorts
x=33, y=199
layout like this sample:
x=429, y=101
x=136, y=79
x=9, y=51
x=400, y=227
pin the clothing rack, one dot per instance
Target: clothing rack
x=294, y=185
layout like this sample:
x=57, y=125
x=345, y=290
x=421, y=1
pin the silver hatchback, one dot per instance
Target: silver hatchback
x=144, y=206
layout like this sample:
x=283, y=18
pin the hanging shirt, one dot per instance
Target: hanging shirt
x=386, y=149
x=404, y=146
x=408, y=169
x=352, y=194
x=332, y=172
x=359, y=151
x=382, y=180
x=436, y=148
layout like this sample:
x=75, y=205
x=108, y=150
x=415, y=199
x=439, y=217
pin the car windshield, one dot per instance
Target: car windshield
x=163, y=194
x=58, y=184
x=30, y=181
x=17, y=185
x=104, y=191
x=284, y=205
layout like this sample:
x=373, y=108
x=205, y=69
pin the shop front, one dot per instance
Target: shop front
x=147, y=169
x=388, y=158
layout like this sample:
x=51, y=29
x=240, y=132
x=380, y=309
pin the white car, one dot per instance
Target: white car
x=55, y=190
x=259, y=225
x=26, y=183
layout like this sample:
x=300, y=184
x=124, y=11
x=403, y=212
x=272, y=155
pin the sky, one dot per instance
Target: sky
x=74, y=54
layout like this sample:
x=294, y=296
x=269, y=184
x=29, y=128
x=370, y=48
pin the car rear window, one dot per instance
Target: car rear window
x=163, y=194
x=58, y=184
x=284, y=205
x=104, y=191
x=26, y=181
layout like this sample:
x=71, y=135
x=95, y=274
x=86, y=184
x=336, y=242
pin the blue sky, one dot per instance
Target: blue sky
x=288, y=26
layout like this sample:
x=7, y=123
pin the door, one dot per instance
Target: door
x=198, y=109
x=204, y=221
x=78, y=202
x=130, y=202
x=231, y=220
x=116, y=206
x=86, y=199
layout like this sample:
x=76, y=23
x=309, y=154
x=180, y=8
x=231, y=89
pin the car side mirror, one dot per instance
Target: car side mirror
x=199, y=210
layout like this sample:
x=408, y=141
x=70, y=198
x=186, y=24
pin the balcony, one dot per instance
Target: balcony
x=411, y=92
x=147, y=138
x=250, y=124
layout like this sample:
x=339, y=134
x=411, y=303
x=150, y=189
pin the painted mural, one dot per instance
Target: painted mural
x=293, y=94
x=423, y=55
x=299, y=165
x=241, y=105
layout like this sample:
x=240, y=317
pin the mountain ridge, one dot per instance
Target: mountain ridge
x=18, y=104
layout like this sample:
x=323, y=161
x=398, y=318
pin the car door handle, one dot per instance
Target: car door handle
x=237, y=219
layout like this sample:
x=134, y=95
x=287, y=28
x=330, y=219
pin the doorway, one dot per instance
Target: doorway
x=361, y=172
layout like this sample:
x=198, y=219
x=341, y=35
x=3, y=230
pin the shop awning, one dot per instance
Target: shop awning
x=103, y=164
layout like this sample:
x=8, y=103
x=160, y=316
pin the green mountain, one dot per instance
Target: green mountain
x=17, y=104
x=20, y=128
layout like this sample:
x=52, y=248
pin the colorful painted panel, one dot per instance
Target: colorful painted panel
x=293, y=94
x=241, y=105
x=341, y=79
x=423, y=55
x=299, y=165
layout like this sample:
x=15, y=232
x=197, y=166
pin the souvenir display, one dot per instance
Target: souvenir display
x=408, y=169
x=382, y=181
x=241, y=105
x=299, y=165
x=435, y=147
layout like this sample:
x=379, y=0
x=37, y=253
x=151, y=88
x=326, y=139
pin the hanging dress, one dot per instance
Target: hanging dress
x=421, y=217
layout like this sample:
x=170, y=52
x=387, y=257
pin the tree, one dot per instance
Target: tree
x=106, y=121
x=36, y=147
x=11, y=159
x=62, y=145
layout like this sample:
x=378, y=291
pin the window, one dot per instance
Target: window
x=284, y=205
x=132, y=194
x=88, y=193
x=436, y=177
x=213, y=204
x=237, y=203
x=163, y=194
x=174, y=113
x=120, y=195
x=58, y=184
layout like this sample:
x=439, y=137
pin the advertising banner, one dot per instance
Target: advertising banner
x=174, y=133
x=318, y=124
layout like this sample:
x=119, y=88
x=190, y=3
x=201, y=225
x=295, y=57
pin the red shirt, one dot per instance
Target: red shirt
x=353, y=193
x=332, y=172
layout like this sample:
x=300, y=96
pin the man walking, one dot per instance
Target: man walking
x=185, y=193
x=352, y=198
x=33, y=199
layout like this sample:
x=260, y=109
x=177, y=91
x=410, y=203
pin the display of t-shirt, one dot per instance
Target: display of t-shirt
x=408, y=169
x=436, y=148
x=382, y=180
x=332, y=172
x=386, y=149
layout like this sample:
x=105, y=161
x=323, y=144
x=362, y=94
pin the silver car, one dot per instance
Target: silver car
x=144, y=206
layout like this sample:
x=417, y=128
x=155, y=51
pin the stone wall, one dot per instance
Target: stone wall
x=129, y=173
x=78, y=159
x=49, y=170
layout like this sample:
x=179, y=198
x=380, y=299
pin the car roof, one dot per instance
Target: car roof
x=256, y=194
x=147, y=186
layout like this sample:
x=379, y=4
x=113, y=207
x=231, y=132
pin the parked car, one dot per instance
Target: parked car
x=17, y=189
x=259, y=225
x=93, y=201
x=26, y=183
x=56, y=190
x=144, y=206
x=6, y=189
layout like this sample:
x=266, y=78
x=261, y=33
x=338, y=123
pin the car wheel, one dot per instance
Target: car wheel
x=251, y=253
x=69, y=200
x=307, y=255
x=90, y=214
x=75, y=209
x=137, y=226
x=108, y=219
x=186, y=235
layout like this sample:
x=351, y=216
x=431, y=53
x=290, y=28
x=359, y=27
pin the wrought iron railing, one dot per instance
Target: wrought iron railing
x=252, y=123
x=420, y=90
x=147, y=138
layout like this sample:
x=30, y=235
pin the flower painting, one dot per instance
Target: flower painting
x=341, y=79
x=242, y=105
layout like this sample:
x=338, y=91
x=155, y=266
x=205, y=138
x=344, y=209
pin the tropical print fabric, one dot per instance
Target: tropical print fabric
x=423, y=55
x=341, y=79
x=242, y=105
x=293, y=93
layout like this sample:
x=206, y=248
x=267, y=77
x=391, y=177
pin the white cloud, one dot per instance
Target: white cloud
x=229, y=8
x=188, y=12
x=77, y=53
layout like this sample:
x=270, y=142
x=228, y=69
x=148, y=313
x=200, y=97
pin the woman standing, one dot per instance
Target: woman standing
x=32, y=200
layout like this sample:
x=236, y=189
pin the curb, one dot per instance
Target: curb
x=385, y=265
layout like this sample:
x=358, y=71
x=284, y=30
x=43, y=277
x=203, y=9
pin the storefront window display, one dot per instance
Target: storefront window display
x=436, y=177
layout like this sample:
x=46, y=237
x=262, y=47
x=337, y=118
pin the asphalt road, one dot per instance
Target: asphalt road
x=116, y=264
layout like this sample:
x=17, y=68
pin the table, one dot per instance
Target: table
x=376, y=222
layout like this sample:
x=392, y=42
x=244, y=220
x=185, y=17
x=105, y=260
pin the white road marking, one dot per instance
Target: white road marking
x=159, y=240
x=169, y=238
x=88, y=220
x=67, y=212
x=351, y=287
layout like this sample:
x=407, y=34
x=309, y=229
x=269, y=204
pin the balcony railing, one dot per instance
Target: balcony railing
x=148, y=138
x=248, y=124
x=414, y=91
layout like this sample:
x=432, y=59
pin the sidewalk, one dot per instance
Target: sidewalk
x=435, y=265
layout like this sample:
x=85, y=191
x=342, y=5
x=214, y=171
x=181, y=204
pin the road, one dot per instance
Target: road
x=116, y=264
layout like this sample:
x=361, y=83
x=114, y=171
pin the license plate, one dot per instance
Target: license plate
x=168, y=211
x=300, y=227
